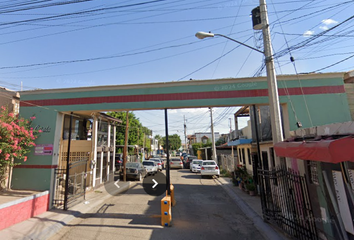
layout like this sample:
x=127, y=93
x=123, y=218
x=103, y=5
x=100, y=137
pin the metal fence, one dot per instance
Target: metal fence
x=227, y=162
x=286, y=203
x=76, y=187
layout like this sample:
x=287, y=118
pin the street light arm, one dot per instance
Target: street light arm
x=202, y=35
x=216, y=34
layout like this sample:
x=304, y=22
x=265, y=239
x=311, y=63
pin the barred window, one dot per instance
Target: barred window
x=313, y=172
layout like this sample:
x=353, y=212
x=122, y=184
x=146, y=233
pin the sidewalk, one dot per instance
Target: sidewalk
x=47, y=224
x=251, y=206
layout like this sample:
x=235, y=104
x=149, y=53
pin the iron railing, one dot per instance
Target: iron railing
x=286, y=203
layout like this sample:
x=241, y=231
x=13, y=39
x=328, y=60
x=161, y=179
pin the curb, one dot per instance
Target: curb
x=56, y=227
x=266, y=230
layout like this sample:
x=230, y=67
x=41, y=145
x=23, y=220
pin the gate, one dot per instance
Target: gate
x=286, y=203
x=76, y=187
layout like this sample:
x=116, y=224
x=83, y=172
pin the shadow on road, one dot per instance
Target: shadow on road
x=191, y=176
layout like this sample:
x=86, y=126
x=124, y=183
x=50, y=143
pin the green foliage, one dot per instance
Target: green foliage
x=16, y=139
x=219, y=142
x=196, y=146
x=136, y=131
x=251, y=186
x=174, y=142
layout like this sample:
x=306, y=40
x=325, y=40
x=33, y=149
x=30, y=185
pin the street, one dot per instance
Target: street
x=203, y=211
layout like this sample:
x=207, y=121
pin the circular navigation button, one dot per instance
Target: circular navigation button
x=155, y=185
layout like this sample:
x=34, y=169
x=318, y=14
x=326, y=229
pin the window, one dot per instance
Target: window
x=243, y=156
x=249, y=156
x=239, y=155
x=312, y=167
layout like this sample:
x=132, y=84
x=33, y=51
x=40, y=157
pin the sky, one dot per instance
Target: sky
x=77, y=43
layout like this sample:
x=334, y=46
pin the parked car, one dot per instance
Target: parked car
x=209, y=168
x=195, y=165
x=188, y=161
x=183, y=156
x=158, y=157
x=118, y=161
x=135, y=170
x=150, y=166
x=176, y=162
x=158, y=162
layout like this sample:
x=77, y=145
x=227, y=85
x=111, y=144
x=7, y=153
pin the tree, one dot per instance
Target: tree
x=16, y=138
x=136, y=131
x=159, y=140
x=174, y=142
x=219, y=142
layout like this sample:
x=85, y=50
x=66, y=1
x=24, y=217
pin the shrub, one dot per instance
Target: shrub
x=16, y=139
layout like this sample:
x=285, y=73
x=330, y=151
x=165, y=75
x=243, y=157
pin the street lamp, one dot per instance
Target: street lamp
x=276, y=122
x=202, y=35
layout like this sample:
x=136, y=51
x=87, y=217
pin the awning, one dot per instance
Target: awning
x=239, y=141
x=331, y=151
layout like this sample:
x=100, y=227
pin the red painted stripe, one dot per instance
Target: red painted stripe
x=37, y=166
x=184, y=96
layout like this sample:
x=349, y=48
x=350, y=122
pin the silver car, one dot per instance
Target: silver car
x=158, y=162
x=176, y=162
x=209, y=168
x=195, y=165
x=151, y=167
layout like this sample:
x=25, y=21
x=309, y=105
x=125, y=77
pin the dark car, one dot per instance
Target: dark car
x=118, y=161
x=187, y=162
x=183, y=156
x=135, y=170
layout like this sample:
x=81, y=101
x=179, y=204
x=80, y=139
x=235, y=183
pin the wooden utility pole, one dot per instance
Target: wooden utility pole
x=125, y=148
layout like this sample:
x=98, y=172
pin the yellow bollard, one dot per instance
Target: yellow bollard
x=173, y=200
x=166, y=214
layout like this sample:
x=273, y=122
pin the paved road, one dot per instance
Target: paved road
x=203, y=211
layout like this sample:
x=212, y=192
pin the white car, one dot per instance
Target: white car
x=158, y=162
x=209, y=168
x=151, y=167
x=195, y=165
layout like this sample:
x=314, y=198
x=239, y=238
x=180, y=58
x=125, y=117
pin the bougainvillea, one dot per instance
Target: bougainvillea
x=16, y=139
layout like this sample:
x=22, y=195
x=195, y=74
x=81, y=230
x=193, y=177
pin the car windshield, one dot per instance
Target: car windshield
x=155, y=160
x=148, y=163
x=132, y=165
x=197, y=162
x=209, y=163
x=176, y=159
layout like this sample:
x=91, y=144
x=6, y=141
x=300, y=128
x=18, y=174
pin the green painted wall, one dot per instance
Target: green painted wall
x=34, y=178
x=31, y=179
x=203, y=86
x=321, y=109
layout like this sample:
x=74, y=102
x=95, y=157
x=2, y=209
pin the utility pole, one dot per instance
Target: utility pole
x=185, y=134
x=212, y=135
x=275, y=117
x=230, y=130
x=144, y=148
x=125, y=148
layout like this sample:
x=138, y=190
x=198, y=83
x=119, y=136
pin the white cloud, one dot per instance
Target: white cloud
x=329, y=21
x=324, y=28
x=308, y=33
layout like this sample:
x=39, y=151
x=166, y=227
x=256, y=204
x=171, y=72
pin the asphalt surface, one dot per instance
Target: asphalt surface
x=203, y=211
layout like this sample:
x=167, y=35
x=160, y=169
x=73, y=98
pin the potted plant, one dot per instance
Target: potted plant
x=251, y=187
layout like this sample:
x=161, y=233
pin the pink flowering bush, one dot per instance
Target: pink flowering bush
x=16, y=139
